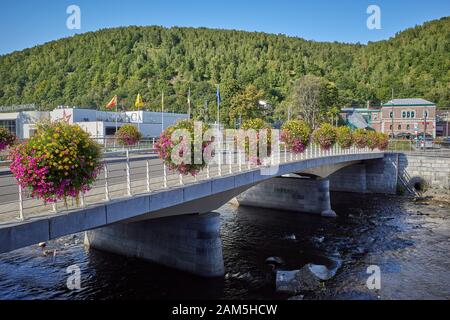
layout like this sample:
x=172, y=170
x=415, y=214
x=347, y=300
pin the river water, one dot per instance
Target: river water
x=409, y=242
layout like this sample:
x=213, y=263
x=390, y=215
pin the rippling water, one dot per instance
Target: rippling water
x=409, y=242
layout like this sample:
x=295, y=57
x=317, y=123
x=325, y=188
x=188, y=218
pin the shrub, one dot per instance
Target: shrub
x=59, y=161
x=128, y=135
x=296, y=135
x=344, y=137
x=257, y=125
x=325, y=136
x=6, y=139
x=166, y=144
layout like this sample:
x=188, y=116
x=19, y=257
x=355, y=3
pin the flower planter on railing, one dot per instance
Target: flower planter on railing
x=382, y=141
x=344, y=137
x=296, y=135
x=360, y=138
x=168, y=141
x=325, y=136
x=128, y=135
x=259, y=125
x=6, y=139
x=59, y=161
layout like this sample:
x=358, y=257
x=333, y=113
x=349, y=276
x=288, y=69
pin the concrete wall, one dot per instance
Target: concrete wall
x=371, y=176
x=435, y=171
x=293, y=194
x=188, y=243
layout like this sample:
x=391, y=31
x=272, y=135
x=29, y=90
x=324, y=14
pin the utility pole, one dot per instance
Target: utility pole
x=425, y=116
x=446, y=121
x=392, y=112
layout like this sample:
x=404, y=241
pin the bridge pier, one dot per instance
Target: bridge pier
x=188, y=243
x=307, y=195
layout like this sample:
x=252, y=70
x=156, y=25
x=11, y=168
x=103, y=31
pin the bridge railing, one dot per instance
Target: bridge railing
x=125, y=174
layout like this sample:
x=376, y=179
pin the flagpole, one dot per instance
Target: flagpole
x=189, y=103
x=162, y=111
x=116, y=114
x=218, y=107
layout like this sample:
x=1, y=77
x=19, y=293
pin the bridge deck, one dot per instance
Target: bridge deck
x=41, y=222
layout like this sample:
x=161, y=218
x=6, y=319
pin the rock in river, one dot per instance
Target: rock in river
x=276, y=261
x=296, y=281
x=306, y=279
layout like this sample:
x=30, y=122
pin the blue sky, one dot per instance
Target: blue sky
x=28, y=23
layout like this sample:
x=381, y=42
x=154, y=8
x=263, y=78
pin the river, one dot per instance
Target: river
x=410, y=242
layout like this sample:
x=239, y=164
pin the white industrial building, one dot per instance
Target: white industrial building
x=99, y=124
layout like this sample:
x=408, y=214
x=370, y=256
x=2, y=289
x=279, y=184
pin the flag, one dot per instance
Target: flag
x=112, y=103
x=139, y=102
x=219, y=98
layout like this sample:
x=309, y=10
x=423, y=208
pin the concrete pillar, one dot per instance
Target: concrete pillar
x=189, y=243
x=292, y=194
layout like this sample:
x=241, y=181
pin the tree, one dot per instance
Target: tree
x=245, y=105
x=313, y=99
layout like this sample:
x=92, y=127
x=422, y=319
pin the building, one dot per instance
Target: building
x=443, y=123
x=99, y=124
x=402, y=118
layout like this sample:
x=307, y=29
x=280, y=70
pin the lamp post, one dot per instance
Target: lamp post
x=425, y=116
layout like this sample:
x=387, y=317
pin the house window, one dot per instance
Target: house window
x=425, y=114
x=10, y=125
x=408, y=127
x=404, y=114
x=390, y=127
x=413, y=114
x=399, y=127
x=391, y=114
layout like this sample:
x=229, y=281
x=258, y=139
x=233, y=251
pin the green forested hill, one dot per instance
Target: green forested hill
x=87, y=70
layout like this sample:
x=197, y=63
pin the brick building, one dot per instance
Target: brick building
x=404, y=118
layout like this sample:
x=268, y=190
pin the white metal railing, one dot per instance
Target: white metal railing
x=136, y=173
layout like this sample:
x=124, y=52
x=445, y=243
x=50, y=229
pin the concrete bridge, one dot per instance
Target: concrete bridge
x=139, y=209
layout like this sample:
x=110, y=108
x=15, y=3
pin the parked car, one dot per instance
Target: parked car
x=427, y=143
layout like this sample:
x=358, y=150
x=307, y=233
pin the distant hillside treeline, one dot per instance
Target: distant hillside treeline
x=88, y=69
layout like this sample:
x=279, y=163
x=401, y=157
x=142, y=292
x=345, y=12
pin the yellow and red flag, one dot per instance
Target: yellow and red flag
x=139, y=102
x=112, y=103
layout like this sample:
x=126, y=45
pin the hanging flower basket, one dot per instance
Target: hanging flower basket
x=325, y=136
x=167, y=142
x=360, y=138
x=372, y=140
x=6, y=139
x=344, y=137
x=128, y=135
x=59, y=161
x=257, y=124
x=382, y=141
x=296, y=135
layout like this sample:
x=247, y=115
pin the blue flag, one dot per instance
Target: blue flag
x=219, y=98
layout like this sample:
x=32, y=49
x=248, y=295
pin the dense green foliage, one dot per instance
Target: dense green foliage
x=87, y=70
